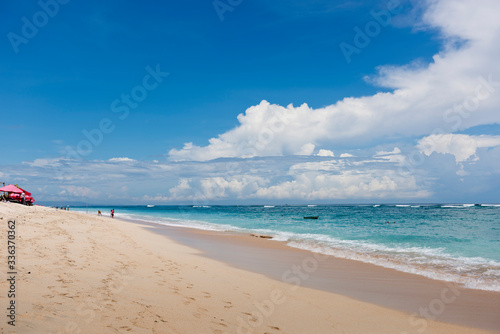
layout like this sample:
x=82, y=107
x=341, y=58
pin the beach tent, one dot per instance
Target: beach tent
x=26, y=192
x=15, y=194
x=12, y=189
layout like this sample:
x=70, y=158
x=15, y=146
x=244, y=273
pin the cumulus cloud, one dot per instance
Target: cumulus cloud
x=373, y=177
x=220, y=187
x=346, y=185
x=462, y=147
x=325, y=153
x=346, y=179
x=457, y=90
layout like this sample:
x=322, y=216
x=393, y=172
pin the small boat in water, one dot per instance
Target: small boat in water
x=311, y=217
x=150, y=206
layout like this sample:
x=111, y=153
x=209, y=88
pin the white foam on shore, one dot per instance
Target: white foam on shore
x=434, y=263
x=474, y=273
x=186, y=223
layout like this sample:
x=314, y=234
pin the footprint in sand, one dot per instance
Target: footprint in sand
x=219, y=323
x=253, y=318
x=200, y=312
x=188, y=300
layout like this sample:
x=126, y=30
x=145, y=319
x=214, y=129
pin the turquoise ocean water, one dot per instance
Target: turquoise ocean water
x=458, y=243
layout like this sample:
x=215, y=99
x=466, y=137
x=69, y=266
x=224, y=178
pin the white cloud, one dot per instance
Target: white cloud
x=393, y=156
x=312, y=180
x=346, y=155
x=463, y=18
x=457, y=90
x=344, y=179
x=346, y=185
x=240, y=186
x=46, y=162
x=463, y=147
x=325, y=153
x=182, y=190
x=306, y=149
x=396, y=150
x=124, y=159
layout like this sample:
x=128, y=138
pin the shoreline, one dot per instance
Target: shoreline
x=465, y=260
x=366, y=282
x=83, y=273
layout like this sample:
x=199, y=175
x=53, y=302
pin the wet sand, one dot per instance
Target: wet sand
x=414, y=294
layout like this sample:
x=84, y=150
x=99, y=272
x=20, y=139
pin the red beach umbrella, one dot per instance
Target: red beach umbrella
x=12, y=189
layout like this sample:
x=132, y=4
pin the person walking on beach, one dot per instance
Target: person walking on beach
x=112, y=213
x=99, y=213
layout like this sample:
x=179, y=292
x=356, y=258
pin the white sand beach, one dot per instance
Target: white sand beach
x=79, y=273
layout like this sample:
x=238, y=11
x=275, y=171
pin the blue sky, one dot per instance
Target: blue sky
x=260, y=102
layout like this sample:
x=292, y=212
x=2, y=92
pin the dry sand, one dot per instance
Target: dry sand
x=78, y=273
